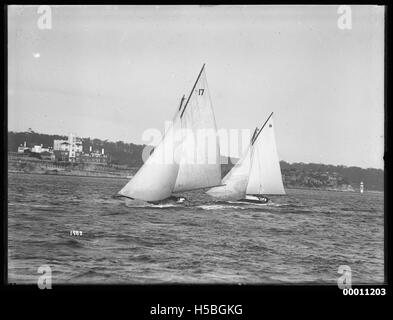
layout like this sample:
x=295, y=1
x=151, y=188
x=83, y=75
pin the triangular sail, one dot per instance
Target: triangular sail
x=156, y=179
x=199, y=165
x=265, y=175
x=235, y=182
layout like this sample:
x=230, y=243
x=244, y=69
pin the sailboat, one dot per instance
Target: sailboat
x=181, y=162
x=257, y=173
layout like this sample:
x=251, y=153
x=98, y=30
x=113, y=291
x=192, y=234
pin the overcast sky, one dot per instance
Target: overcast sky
x=111, y=72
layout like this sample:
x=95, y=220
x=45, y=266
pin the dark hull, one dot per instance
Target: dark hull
x=171, y=201
x=259, y=200
x=253, y=201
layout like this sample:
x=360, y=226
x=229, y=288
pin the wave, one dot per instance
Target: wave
x=73, y=243
x=91, y=274
x=218, y=207
x=153, y=206
x=239, y=205
x=143, y=204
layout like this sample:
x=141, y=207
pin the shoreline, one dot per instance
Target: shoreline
x=100, y=175
x=70, y=175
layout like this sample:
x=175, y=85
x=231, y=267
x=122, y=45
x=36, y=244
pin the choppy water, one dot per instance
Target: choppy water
x=302, y=237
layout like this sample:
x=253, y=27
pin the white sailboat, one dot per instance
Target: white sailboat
x=257, y=173
x=184, y=164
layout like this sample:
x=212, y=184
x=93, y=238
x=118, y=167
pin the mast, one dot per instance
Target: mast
x=254, y=134
x=253, y=141
x=192, y=90
x=181, y=101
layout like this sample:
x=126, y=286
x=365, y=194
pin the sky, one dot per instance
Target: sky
x=111, y=72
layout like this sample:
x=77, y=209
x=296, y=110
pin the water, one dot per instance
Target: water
x=299, y=238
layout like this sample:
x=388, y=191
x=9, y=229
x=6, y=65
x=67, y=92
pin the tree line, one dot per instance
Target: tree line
x=294, y=174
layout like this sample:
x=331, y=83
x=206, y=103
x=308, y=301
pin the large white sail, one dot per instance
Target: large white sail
x=265, y=175
x=156, y=179
x=199, y=165
x=235, y=181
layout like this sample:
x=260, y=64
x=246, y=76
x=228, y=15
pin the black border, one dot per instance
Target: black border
x=149, y=295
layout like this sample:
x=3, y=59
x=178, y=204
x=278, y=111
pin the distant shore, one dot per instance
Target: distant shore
x=293, y=179
x=72, y=174
x=330, y=189
x=123, y=177
x=45, y=167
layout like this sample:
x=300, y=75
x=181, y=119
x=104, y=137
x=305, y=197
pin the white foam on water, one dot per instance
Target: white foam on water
x=168, y=205
x=131, y=204
x=218, y=207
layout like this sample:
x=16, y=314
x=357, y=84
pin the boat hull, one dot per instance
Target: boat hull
x=168, y=202
x=255, y=199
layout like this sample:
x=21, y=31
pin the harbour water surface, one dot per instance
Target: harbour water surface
x=300, y=238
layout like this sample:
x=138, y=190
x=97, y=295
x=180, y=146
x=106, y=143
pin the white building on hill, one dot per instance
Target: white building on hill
x=73, y=146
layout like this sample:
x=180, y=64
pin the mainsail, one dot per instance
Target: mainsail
x=257, y=172
x=199, y=165
x=182, y=164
